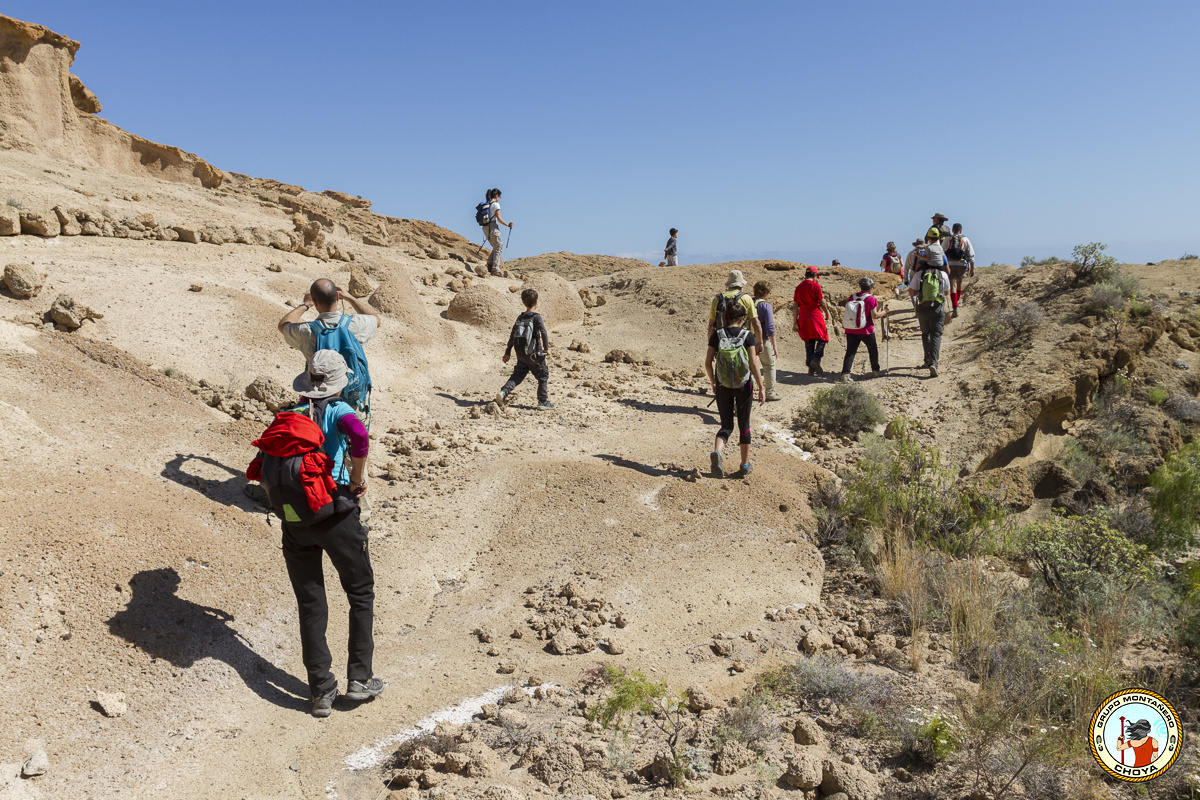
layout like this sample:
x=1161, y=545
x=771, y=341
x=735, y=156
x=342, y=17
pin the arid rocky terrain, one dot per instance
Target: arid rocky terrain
x=148, y=630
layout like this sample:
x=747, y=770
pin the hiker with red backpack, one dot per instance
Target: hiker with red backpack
x=320, y=514
x=960, y=257
x=861, y=311
x=734, y=372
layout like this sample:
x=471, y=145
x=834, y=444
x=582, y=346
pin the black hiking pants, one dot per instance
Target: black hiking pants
x=814, y=351
x=852, y=342
x=345, y=541
x=539, y=370
x=932, y=321
x=735, y=402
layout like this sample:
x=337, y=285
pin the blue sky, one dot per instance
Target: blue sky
x=799, y=130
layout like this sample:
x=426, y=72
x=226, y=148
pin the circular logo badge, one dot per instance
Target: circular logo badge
x=1136, y=735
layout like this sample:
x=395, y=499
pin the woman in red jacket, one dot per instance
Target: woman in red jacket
x=812, y=310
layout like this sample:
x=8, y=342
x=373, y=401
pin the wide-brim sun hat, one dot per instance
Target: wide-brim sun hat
x=735, y=280
x=327, y=374
x=940, y=216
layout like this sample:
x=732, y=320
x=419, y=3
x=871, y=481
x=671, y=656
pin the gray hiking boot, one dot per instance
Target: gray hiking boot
x=323, y=706
x=501, y=399
x=717, y=461
x=745, y=471
x=932, y=371
x=845, y=378
x=546, y=406
x=364, y=690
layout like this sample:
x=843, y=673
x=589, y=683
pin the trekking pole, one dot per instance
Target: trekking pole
x=506, y=244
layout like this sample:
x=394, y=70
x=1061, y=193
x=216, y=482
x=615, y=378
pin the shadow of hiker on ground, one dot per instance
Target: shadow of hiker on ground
x=164, y=625
x=709, y=417
x=231, y=491
x=461, y=403
x=637, y=466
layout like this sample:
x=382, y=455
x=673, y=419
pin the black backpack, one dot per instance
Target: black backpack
x=483, y=213
x=957, y=251
x=526, y=339
x=723, y=303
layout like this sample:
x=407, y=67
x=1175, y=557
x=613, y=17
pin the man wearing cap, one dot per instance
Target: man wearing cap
x=733, y=292
x=322, y=296
x=340, y=536
x=939, y=229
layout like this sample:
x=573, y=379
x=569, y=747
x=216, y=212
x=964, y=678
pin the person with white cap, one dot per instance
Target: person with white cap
x=733, y=294
x=319, y=515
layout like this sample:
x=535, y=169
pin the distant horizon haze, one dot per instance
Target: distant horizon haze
x=790, y=130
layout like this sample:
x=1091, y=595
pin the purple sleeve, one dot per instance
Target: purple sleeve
x=360, y=442
x=766, y=319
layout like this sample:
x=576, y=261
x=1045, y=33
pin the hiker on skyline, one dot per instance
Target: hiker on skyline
x=766, y=322
x=928, y=286
x=960, y=257
x=812, y=311
x=672, y=249
x=532, y=343
x=495, y=220
x=733, y=294
x=317, y=515
x=734, y=372
x=861, y=312
x=939, y=229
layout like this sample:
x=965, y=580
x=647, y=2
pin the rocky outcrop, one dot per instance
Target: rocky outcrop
x=23, y=280
x=47, y=111
x=484, y=307
x=70, y=314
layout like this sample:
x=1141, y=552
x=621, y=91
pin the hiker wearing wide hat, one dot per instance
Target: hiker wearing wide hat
x=766, y=322
x=346, y=440
x=928, y=285
x=734, y=372
x=530, y=340
x=960, y=258
x=672, y=249
x=733, y=294
x=320, y=515
x=861, y=311
x=491, y=227
x=333, y=330
x=939, y=229
x=812, y=311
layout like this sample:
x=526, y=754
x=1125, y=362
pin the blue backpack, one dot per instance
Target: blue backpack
x=358, y=390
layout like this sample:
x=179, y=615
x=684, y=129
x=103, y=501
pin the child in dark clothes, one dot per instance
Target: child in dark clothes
x=528, y=362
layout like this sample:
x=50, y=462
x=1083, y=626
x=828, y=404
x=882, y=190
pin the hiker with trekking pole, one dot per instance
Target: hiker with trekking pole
x=734, y=372
x=487, y=215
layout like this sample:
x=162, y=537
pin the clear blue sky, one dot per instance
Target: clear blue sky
x=766, y=129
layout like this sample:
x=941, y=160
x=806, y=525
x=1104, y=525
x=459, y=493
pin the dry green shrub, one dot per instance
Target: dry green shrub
x=844, y=409
x=632, y=693
x=1175, y=501
x=1002, y=324
x=1104, y=299
x=1183, y=407
x=904, y=576
x=1091, y=265
x=747, y=722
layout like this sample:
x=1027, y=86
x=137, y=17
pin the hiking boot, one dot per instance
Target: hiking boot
x=774, y=396
x=954, y=313
x=817, y=367
x=845, y=378
x=323, y=706
x=546, y=405
x=875, y=373
x=364, y=690
x=745, y=471
x=811, y=371
x=932, y=371
x=501, y=398
x=717, y=461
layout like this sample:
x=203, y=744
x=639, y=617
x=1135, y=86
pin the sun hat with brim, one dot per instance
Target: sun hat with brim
x=940, y=216
x=735, y=280
x=326, y=375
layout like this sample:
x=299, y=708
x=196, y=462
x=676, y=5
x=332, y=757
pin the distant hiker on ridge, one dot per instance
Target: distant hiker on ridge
x=317, y=515
x=733, y=294
x=672, y=249
x=530, y=340
x=492, y=228
x=939, y=229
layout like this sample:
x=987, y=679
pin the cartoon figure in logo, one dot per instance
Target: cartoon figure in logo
x=1137, y=737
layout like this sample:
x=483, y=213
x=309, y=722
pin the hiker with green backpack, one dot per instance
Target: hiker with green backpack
x=734, y=372
x=733, y=295
x=929, y=285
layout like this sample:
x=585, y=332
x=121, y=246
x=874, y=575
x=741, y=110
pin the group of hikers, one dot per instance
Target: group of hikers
x=740, y=362
x=312, y=457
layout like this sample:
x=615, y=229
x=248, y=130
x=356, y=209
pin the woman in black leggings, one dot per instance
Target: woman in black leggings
x=731, y=353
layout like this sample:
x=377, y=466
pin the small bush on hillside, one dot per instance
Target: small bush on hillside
x=1188, y=257
x=1081, y=556
x=1175, y=501
x=824, y=675
x=748, y=722
x=632, y=693
x=1104, y=298
x=1002, y=324
x=1079, y=462
x=13, y=202
x=904, y=487
x=1183, y=408
x=1030, y=261
x=846, y=409
x=1090, y=265
x=1156, y=395
x=1139, y=310
x=829, y=507
x=905, y=575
